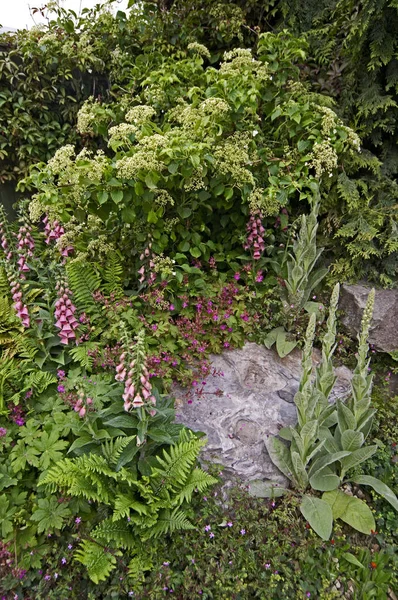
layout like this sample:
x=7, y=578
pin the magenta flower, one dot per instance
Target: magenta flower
x=237, y=276
x=78, y=520
x=61, y=389
x=3, y=432
x=229, y=524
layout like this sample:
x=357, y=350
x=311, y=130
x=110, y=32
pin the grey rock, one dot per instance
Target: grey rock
x=383, y=333
x=240, y=410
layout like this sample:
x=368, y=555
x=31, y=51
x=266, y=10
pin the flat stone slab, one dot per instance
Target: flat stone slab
x=241, y=409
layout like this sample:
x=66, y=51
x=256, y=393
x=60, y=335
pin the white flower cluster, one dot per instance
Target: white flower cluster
x=214, y=106
x=162, y=198
x=128, y=167
x=120, y=135
x=86, y=117
x=62, y=160
x=323, y=159
x=140, y=114
x=199, y=49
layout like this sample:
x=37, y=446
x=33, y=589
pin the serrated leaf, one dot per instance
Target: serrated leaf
x=318, y=514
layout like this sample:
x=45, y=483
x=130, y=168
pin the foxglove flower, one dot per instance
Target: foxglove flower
x=254, y=240
x=65, y=315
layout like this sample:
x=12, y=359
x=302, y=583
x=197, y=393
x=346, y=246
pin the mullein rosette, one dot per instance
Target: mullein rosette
x=133, y=371
x=64, y=313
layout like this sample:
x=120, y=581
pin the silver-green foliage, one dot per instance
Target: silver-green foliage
x=329, y=439
x=300, y=278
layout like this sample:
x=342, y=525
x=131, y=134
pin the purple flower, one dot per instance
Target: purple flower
x=70, y=546
x=226, y=344
x=237, y=276
x=229, y=524
x=60, y=374
x=61, y=389
x=154, y=327
x=243, y=531
x=211, y=535
x=29, y=394
x=207, y=528
x=171, y=307
x=78, y=520
x=267, y=565
x=166, y=563
x=308, y=594
x=47, y=577
x=63, y=561
x=3, y=431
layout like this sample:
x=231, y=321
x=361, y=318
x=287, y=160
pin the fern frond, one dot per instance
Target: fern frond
x=115, y=533
x=4, y=283
x=177, y=462
x=123, y=505
x=112, y=449
x=81, y=354
x=197, y=480
x=113, y=273
x=168, y=522
x=83, y=281
x=97, y=559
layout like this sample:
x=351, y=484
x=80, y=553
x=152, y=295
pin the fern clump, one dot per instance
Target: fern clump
x=139, y=508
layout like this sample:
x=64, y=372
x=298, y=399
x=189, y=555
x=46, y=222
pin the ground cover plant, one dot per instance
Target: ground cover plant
x=187, y=190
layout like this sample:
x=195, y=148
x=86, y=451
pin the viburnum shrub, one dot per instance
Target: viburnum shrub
x=186, y=168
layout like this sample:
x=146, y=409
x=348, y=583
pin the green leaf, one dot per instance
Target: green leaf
x=338, y=501
x=345, y=418
x=184, y=212
x=123, y=421
x=327, y=459
x=352, y=559
x=357, y=457
x=50, y=514
x=271, y=337
x=359, y=516
x=261, y=489
x=318, y=514
x=284, y=346
x=152, y=217
x=352, y=440
x=195, y=252
x=127, y=455
x=117, y=196
x=379, y=487
x=102, y=197
x=324, y=480
x=280, y=456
